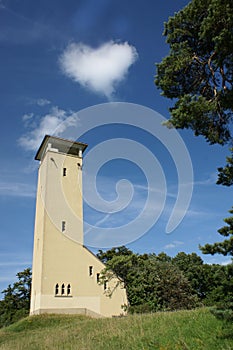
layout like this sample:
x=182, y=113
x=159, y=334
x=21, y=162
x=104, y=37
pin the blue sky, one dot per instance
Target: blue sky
x=58, y=58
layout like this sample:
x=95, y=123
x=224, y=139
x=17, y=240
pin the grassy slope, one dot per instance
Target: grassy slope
x=183, y=330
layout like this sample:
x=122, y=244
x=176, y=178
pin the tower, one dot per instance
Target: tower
x=65, y=274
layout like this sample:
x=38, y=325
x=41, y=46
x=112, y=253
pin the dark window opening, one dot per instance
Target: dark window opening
x=105, y=285
x=64, y=171
x=57, y=289
x=97, y=277
x=63, y=289
x=90, y=270
x=68, y=289
x=63, y=226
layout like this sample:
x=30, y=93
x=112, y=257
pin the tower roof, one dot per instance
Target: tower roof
x=60, y=145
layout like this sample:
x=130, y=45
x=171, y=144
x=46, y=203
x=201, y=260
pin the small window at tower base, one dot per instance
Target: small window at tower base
x=57, y=289
x=63, y=290
x=68, y=289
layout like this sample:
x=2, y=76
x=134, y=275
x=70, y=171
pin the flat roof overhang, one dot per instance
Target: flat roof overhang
x=62, y=145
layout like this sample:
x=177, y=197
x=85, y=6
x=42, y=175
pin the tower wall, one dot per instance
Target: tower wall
x=65, y=273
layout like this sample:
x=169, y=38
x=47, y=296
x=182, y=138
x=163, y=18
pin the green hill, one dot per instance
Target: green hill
x=181, y=330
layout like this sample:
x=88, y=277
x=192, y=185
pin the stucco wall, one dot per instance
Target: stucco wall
x=59, y=257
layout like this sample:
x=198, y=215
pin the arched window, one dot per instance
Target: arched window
x=62, y=289
x=68, y=289
x=57, y=289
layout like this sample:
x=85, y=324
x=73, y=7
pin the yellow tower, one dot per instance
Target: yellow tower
x=65, y=274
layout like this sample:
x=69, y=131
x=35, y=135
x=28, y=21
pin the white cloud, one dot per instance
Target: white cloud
x=27, y=117
x=227, y=262
x=100, y=69
x=53, y=123
x=169, y=246
x=174, y=244
x=42, y=102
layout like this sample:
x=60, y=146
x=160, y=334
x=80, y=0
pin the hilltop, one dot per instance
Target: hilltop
x=181, y=330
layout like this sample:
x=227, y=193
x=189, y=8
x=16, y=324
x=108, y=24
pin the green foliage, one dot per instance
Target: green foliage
x=159, y=282
x=198, y=75
x=211, y=283
x=224, y=311
x=195, y=271
x=225, y=175
x=172, y=290
x=16, y=302
x=152, y=282
x=162, y=257
x=198, y=72
x=181, y=330
x=109, y=254
x=225, y=247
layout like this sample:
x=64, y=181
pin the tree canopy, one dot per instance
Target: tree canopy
x=198, y=75
x=225, y=247
x=152, y=282
x=16, y=301
x=159, y=282
x=198, y=71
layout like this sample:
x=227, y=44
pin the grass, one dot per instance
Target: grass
x=181, y=330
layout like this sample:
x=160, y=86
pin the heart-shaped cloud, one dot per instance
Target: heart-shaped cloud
x=98, y=69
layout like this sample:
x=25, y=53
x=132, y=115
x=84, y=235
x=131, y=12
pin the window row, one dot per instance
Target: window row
x=64, y=290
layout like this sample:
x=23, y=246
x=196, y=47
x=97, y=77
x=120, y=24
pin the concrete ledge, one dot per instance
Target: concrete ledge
x=68, y=311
